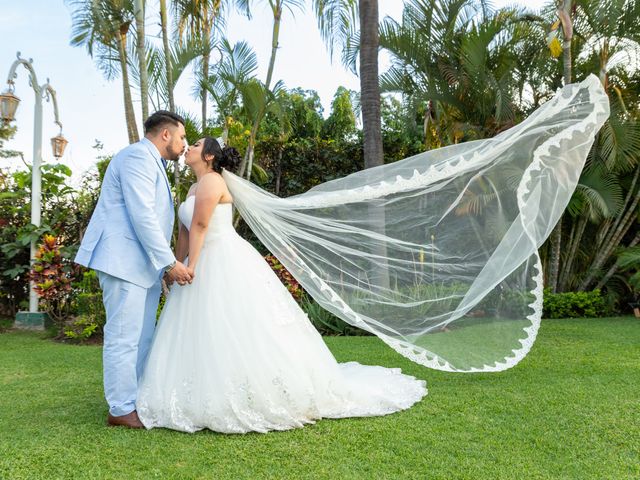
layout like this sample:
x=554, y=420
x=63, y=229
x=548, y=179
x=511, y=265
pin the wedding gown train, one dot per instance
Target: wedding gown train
x=234, y=353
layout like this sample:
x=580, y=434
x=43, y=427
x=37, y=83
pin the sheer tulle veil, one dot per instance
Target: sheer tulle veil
x=437, y=254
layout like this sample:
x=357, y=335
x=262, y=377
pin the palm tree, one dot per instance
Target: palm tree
x=606, y=42
x=102, y=26
x=165, y=70
x=277, y=9
x=610, y=36
x=167, y=53
x=142, y=57
x=564, y=12
x=336, y=21
x=197, y=19
x=341, y=23
x=597, y=198
x=369, y=84
x=237, y=66
x=455, y=57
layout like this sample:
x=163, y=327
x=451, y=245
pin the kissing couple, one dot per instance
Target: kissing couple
x=232, y=351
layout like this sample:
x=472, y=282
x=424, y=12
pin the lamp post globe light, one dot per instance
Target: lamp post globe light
x=8, y=105
x=9, y=102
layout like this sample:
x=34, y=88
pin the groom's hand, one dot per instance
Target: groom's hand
x=180, y=273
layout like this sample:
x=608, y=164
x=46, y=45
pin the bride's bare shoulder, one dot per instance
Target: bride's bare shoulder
x=212, y=183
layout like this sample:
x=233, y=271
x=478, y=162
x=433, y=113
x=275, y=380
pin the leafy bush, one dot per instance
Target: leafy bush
x=88, y=308
x=81, y=329
x=52, y=278
x=573, y=304
x=285, y=277
x=326, y=322
x=65, y=213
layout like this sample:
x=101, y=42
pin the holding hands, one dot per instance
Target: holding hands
x=180, y=273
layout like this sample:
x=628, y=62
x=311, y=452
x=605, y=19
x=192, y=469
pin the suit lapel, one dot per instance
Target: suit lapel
x=158, y=162
x=164, y=175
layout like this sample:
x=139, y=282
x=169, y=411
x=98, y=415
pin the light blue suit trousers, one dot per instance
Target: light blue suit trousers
x=131, y=313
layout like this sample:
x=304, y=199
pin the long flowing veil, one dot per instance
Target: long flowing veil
x=437, y=254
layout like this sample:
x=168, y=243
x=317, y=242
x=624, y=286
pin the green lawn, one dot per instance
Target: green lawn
x=571, y=409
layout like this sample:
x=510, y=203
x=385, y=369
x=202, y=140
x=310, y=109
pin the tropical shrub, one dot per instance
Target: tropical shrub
x=81, y=329
x=326, y=322
x=88, y=308
x=295, y=289
x=573, y=304
x=63, y=216
x=52, y=276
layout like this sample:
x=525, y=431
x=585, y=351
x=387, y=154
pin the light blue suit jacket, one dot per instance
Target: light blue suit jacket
x=129, y=235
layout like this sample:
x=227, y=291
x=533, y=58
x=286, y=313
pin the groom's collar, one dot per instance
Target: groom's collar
x=154, y=151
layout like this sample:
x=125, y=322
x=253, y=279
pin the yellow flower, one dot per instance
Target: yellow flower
x=556, y=47
x=553, y=42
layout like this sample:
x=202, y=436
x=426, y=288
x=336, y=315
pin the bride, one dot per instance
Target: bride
x=233, y=352
x=436, y=254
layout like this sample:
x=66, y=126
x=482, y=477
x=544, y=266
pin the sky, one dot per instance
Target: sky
x=91, y=107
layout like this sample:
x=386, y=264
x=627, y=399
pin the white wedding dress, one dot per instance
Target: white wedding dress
x=234, y=353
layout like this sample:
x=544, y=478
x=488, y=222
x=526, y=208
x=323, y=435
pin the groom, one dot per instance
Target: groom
x=128, y=243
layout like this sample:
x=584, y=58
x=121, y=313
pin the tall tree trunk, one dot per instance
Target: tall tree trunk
x=247, y=161
x=225, y=130
x=142, y=58
x=556, y=235
x=248, y=158
x=129, y=113
x=369, y=83
x=279, y=169
x=167, y=54
x=574, y=244
x=169, y=72
x=275, y=35
x=372, y=130
x=206, y=58
x=203, y=95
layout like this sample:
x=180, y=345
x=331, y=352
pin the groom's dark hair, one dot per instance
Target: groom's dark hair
x=161, y=119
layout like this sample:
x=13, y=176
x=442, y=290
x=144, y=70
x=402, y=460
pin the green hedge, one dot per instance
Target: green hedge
x=573, y=304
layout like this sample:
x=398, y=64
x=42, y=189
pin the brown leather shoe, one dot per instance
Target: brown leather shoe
x=130, y=420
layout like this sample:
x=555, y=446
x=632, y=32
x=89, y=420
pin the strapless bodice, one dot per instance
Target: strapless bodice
x=221, y=218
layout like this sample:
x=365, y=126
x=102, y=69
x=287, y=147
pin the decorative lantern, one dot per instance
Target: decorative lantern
x=8, y=105
x=58, y=145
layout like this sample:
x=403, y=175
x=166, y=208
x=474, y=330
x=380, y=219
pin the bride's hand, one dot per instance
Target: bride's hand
x=180, y=273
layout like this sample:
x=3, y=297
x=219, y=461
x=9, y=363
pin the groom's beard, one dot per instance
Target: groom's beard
x=172, y=154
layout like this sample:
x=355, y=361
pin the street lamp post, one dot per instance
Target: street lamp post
x=8, y=105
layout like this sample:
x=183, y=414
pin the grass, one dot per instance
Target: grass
x=568, y=410
x=5, y=323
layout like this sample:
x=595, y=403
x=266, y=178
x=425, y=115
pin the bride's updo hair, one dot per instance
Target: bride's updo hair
x=227, y=157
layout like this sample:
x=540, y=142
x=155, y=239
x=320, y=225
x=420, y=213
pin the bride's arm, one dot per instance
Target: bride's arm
x=210, y=190
x=182, y=247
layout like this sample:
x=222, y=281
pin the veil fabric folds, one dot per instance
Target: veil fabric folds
x=437, y=254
